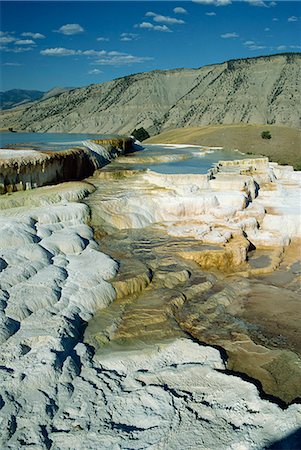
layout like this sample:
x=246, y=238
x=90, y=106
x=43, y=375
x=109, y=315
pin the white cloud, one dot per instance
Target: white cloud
x=121, y=60
x=70, y=29
x=253, y=46
x=6, y=39
x=213, y=2
x=116, y=54
x=112, y=58
x=58, y=51
x=292, y=19
x=129, y=37
x=275, y=19
x=150, y=26
x=91, y=52
x=256, y=47
x=229, y=35
x=61, y=51
x=33, y=35
x=3, y=48
x=259, y=3
x=164, y=19
x=94, y=72
x=11, y=64
x=267, y=29
x=179, y=10
x=102, y=39
x=210, y=14
x=25, y=42
x=280, y=48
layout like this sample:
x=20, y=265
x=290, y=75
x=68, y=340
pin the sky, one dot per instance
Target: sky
x=74, y=43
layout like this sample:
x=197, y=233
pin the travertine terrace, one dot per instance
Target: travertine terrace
x=97, y=350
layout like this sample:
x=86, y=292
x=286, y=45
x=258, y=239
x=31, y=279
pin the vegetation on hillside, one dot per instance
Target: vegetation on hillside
x=266, y=135
x=140, y=134
x=283, y=148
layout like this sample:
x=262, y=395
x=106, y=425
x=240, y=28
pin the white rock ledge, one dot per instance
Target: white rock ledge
x=53, y=395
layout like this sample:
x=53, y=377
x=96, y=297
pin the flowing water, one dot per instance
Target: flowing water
x=46, y=141
x=173, y=159
x=163, y=292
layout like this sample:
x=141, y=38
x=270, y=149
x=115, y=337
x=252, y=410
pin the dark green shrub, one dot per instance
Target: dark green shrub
x=141, y=134
x=266, y=135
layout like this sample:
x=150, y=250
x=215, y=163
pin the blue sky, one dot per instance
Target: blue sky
x=46, y=44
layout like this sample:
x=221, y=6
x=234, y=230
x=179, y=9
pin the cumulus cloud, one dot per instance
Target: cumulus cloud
x=103, y=39
x=252, y=45
x=281, y=48
x=213, y=2
x=6, y=38
x=3, y=48
x=70, y=29
x=11, y=64
x=229, y=35
x=121, y=60
x=257, y=47
x=129, y=37
x=94, y=72
x=150, y=26
x=58, y=51
x=210, y=14
x=292, y=19
x=25, y=42
x=179, y=10
x=33, y=35
x=61, y=51
x=91, y=52
x=164, y=19
x=101, y=57
x=259, y=3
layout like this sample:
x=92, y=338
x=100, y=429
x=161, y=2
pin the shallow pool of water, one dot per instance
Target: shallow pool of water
x=189, y=159
x=47, y=141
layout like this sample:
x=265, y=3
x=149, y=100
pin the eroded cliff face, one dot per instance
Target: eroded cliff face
x=26, y=169
x=263, y=90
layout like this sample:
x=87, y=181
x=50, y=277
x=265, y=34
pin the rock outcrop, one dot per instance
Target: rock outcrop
x=26, y=169
x=263, y=90
x=145, y=383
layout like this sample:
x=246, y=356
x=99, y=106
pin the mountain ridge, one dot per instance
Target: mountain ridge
x=259, y=90
x=14, y=98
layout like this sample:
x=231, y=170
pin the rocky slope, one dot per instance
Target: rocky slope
x=257, y=90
